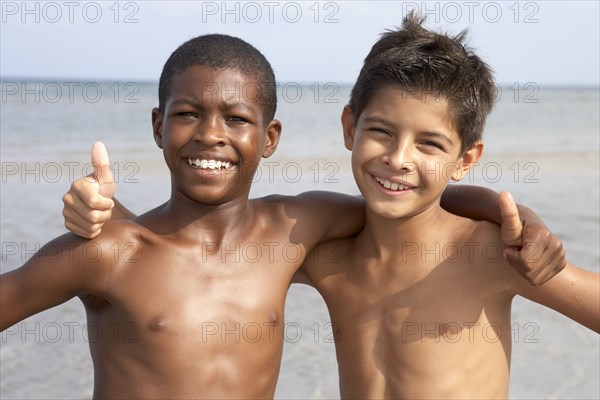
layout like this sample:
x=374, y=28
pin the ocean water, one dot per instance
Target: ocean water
x=543, y=145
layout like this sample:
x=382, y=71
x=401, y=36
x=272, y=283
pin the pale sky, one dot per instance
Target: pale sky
x=545, y=42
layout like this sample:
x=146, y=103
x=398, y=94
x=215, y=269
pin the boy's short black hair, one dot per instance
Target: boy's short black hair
x=222, y=52
x=419, y=61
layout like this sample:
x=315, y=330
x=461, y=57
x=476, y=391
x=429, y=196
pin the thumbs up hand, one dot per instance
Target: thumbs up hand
x=88, y=204
x=532, y=249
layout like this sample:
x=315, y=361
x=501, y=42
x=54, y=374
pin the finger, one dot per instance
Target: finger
x=81, y=232
x=549, y=273
x=515, y=259
x=85, y=223
x=79, y=226
x=82, y=220
x=86, y=195
x=543, y=277
x=545, y=262
x=512, y=227
x=536, y=253
x=93, y=201
x=102, y=173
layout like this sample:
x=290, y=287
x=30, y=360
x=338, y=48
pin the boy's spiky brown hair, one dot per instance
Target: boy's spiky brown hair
x=418, y=60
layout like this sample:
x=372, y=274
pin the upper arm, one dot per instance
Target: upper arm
x=56, y=273
x=574, y=292
x=329, y=215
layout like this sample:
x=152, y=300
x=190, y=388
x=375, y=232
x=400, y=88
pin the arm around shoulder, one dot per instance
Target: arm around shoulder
x=332, y=215
x=470, y=201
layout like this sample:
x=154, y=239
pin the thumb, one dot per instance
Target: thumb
x=512, y=227
x=102, y=173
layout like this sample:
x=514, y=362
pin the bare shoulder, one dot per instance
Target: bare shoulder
x=460, y=230
x=484, y=231
x=137, y=229
x=484, y=241
x=478, y=246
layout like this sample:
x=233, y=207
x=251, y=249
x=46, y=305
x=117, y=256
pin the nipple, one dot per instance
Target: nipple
x=158, y=323
x=273, y=317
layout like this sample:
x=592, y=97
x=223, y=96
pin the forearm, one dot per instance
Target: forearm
x=574, y=292
x=526, y=214
x=474, y=202
x=587, y=300
x=120, y=211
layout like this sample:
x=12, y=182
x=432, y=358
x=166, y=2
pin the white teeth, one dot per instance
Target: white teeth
x=391, y=185
x=209, y=164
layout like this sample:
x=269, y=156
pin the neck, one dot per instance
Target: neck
x=387, y=237
x=206, y=222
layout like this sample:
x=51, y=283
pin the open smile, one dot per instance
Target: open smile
x=392, y=186
x=211, y=164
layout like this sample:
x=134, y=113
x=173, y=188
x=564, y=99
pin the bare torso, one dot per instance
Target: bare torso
x=193, y=319
x=187, y=300
x=432, y=321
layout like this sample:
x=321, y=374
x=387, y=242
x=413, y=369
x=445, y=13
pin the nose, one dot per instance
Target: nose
x=210, y=132
x=400, y=157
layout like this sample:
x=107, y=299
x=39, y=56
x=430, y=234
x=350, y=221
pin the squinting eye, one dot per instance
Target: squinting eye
x=379, y=130
x=237, y=120
x=433, y=144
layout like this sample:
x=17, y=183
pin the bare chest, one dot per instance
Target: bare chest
x=218, y=293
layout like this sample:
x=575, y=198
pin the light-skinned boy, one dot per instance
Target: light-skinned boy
x=229, y=311
x=420, y=299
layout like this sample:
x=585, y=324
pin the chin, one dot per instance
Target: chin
x=389, y=211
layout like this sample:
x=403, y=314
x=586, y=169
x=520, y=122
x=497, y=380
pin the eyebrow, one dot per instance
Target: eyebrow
x=184, y=102
x=440, y=136
x=226, y=104
x=381, y=121
x=240, y=104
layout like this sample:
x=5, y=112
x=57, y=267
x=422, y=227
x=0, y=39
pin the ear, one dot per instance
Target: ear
x=157, y=120
x=272, y=135
x=467, y=161
x=348, y=127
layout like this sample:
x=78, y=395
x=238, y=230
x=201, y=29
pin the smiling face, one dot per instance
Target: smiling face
x=404, y=151
x=213, y=134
